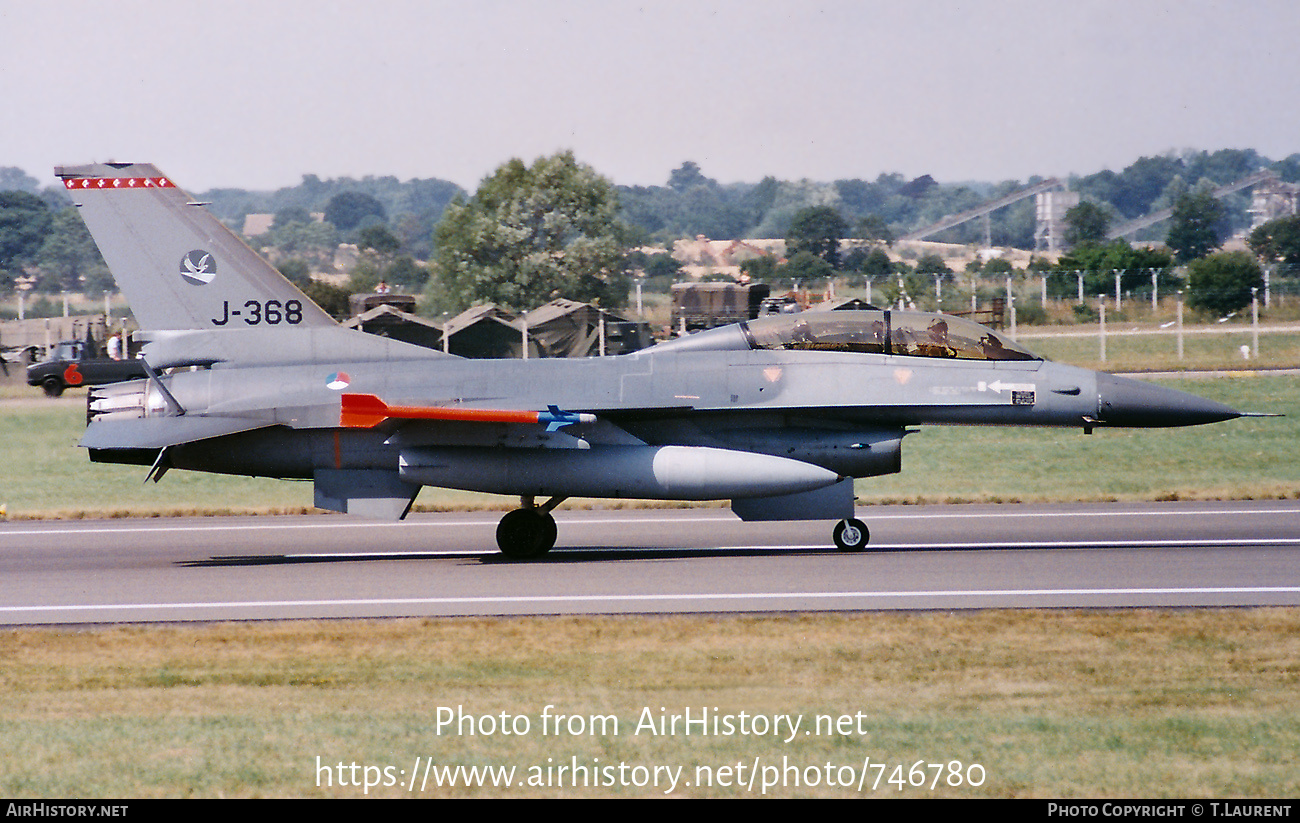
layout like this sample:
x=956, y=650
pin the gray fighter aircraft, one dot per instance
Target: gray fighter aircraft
x=247, y=376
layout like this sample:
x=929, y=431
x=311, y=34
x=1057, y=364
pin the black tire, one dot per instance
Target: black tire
x=851, y=535
x=524, y=534
x=53, y=386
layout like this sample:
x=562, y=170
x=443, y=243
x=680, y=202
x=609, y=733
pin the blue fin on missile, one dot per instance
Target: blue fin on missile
x=555, y=419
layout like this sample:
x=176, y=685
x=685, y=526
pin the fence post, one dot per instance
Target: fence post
x=1180, y=324
x=1011, y=307
x=1117, y=303
x=1079, y=275
x=1254, y=323
x=1155, y=291
x=1101, y=304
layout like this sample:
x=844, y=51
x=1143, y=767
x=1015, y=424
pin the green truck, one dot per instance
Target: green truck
x=68, y=366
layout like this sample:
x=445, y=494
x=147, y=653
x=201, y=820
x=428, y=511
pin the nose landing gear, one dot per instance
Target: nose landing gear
x=851, y=535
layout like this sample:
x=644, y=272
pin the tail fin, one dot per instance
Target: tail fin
x=177, y=265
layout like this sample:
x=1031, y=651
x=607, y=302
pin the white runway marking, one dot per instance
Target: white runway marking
x=721, y=517
x=636, y=598
x=1019, y=544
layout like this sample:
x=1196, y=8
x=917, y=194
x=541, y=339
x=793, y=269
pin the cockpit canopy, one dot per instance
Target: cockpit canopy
x=916, y=334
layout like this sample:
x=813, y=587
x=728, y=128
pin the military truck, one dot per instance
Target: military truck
x=698, y=306
x=73, y=363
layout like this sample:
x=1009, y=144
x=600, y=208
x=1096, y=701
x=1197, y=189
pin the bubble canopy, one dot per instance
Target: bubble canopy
x=913, y=334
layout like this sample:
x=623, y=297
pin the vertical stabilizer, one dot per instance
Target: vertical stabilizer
x=178, y=266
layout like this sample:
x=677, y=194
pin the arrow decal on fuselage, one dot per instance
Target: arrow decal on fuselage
x=998, y=386
x=365, y=411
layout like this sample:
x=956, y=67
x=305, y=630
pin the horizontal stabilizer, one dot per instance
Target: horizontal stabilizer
x=365, y=411
x=158, y=432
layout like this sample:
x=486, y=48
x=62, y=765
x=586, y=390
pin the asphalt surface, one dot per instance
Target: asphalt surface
x=652, y=561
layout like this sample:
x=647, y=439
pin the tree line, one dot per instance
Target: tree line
x=556, y=227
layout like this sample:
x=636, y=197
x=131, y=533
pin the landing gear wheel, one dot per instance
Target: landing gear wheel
x=526, y=533
x=851, y=535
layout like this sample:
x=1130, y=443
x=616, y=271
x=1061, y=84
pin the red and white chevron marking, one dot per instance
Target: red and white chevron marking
x=119, y=183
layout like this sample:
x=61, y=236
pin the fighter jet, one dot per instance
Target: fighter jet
x=778, y=415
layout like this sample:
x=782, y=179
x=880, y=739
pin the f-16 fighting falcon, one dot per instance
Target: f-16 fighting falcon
x=778, y=415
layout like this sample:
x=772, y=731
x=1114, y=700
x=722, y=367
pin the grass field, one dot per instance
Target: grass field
x=1160, y=352
x=1196, y=703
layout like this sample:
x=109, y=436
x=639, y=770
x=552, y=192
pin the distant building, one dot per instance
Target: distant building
x=703, y=256
x=1049, y=234
x=257, y=224
x=390, y=321
x=487, y=331
x=561, y=328
x=567, y=328
x=1272, y=199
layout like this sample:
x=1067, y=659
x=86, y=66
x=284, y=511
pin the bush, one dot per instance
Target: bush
x=332, y=299
x=1086, y=313
x=1221, y=283
x=296, y=270
x=806, y=267
x=1030, y=313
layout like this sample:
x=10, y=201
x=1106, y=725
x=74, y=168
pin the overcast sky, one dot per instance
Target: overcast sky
x=255, y=94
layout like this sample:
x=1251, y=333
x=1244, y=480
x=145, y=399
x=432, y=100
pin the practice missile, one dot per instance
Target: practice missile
x=650, y=472
x=365, y=411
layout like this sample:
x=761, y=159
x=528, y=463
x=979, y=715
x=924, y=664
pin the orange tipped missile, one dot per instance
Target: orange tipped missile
x=365, y=411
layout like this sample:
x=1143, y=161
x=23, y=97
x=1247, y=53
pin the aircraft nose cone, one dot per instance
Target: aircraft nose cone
x=1125, y=402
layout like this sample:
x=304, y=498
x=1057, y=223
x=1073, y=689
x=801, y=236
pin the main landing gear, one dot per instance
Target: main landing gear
x=851, y=535
x=528, y=532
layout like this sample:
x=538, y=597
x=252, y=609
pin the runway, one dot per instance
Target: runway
x=650, y=561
